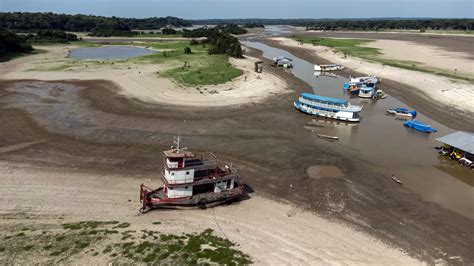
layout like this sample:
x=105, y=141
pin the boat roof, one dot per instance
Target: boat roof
x=323, y=98
x=282, y=58
x=174, y=153
x=460, y=139
x=401, y=109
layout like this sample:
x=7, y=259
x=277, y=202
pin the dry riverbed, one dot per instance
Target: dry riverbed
x=77, y=150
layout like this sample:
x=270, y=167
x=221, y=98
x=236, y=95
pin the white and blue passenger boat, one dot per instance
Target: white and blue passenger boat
x=367, y=92
x=328, y=107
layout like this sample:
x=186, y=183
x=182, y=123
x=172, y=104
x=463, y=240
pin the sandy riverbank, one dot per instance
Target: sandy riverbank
x=432, y=56
x=454, y=94
x=141, y=81
x=272, y=233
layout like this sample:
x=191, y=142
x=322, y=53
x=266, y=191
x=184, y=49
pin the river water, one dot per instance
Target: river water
x=383, y=140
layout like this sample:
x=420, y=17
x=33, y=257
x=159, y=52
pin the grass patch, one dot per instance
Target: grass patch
x=354, y=47
x=146, y=35
x=86, y=44
x=63, y=243
x=350, y=47
x=217, y=71
x=122, y=225
x=53, y=68
x=87, y=225
x=201, y=68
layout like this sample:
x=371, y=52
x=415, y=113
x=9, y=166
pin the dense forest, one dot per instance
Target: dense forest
x=354, y=24
x=23, y=21
x=220, y=38
x=407, y=24
x=205, y=31
x=51, y=36
x=11, y=43
x=253, y=25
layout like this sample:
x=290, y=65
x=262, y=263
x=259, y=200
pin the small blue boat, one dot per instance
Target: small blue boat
x=417, y=125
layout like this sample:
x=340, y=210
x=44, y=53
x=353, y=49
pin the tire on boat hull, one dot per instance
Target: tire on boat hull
x=202, y=204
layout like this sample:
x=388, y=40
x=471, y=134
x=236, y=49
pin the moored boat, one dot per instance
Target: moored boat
x=353, y=87
x=328, y=107
x=328, y=67
x=417, y=125
x=189, y=180
x=402, y=112
x=395, y=179
x=327, y=137
x=367, y=79
x=367, y=92
x=282, y=61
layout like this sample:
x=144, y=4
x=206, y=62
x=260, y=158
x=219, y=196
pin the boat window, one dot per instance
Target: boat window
x=170, y=188
x=172, y=173
x=185, y=187
x=187, y=172
x=228, y=183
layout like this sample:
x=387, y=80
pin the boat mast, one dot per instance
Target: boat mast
x=176, y=141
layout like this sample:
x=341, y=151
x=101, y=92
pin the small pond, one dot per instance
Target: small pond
x=109, y=52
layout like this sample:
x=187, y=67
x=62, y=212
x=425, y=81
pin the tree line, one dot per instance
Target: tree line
x=25, y=21
x=354, y=24
x=221, y=39
x=407, y=24
x=11, y=43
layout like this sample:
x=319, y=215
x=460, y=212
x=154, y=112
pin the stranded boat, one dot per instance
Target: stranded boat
x=330, y=67
x=189, y=180
x=367, y=92
x=368, y=79
x=282, y=61
x=417, y=125
x=402, y=112
x=354, y=88
x=328, y=107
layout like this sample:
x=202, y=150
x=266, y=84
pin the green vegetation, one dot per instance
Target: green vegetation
x=220, y=38
x=351, y=47
x=109, y=32
x=169, y=31
x=50, y=37
x=189, y=249
x=197, y=68
x=24, y=21
x=254, y=25
x=407, y=24
x=354, y=24
x=90, y=238
x=354, y=47
x=12, y=45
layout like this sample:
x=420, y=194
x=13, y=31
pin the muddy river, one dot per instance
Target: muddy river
x=383, y=140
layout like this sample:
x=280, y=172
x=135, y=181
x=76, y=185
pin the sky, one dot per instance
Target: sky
x=205, y=9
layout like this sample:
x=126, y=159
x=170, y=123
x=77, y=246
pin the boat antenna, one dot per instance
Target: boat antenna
x=177, y=141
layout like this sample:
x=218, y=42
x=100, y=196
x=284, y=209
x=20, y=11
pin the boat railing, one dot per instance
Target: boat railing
x=194, y=179
x=343, y=107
